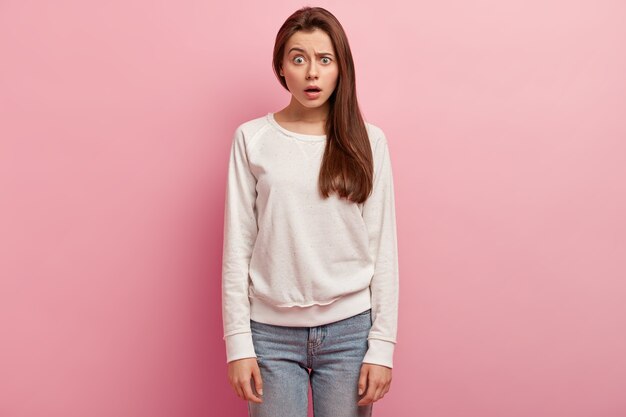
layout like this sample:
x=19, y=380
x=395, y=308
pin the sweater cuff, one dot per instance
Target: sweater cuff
x=239, y=346
x=380, y=352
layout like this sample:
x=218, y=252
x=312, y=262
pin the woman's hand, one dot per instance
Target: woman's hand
x=374, y=382
x=240, y=372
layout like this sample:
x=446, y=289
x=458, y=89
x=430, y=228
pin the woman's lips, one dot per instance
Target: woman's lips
x=312, y=94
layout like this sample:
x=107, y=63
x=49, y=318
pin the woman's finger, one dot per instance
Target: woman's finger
x=370, y=393
x=379, y=392
x=258, y=381
x=238, y=390
x=362, y=386
x=248, y=394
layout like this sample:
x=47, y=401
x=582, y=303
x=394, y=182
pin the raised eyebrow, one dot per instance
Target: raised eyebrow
x=302, y=50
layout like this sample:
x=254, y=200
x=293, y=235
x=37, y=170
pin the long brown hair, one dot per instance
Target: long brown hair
x=347, y=164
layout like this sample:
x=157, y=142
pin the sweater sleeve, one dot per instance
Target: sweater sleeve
x=379, y=216
x=240, y=231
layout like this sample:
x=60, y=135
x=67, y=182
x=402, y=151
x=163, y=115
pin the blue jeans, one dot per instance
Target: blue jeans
x=329, y=356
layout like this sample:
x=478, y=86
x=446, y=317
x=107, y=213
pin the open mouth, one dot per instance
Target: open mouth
x=313, y=90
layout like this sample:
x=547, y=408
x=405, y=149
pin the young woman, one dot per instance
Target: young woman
x=310, y=264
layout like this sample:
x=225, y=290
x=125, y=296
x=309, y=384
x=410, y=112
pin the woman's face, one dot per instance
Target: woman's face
x=309, y=60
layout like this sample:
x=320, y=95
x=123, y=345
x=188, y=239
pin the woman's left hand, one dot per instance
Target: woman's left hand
x=374, y=382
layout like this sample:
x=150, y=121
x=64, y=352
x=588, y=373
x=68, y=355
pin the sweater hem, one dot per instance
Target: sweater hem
x=312, y=315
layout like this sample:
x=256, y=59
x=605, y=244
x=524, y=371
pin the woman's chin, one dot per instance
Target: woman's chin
x=311, y=104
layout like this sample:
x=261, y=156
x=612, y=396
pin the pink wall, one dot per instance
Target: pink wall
x=507, y=132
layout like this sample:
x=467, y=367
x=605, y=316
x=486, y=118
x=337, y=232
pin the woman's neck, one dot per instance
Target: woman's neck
x=296, y=112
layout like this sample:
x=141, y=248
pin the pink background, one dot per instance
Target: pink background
x=506, y=124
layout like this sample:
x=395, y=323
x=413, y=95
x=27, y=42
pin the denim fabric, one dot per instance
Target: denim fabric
x=327, y=356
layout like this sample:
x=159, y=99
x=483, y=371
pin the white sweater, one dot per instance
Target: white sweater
x=292, y=258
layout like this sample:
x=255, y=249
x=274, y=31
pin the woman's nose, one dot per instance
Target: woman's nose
x=312, y=73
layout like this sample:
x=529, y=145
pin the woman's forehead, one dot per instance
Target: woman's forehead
x=317, y=41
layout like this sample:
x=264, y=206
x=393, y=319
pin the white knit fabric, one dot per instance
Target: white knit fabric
x=292, y=258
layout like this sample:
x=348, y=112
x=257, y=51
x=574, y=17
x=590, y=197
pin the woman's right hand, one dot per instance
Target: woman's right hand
x=240, y=372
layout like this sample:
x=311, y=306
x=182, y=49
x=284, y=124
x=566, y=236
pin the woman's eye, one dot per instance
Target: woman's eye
x=296, y=59
x=327, y=62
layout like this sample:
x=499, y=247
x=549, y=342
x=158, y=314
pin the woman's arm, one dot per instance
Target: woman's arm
x=240, y=232
x=380, y=218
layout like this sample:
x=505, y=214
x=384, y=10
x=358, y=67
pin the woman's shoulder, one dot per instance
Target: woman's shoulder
x=250, y=129
x=253, y=125
x=375, y=133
